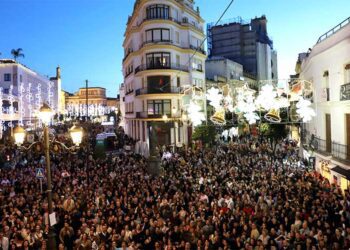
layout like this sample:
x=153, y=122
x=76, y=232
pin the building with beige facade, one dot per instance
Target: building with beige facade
x=98, y=103
x=164, y=55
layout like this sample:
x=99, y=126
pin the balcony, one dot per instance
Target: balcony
x=145, y=115
x=345, y=92
x=129, y=73
x=166, y=66
x=128, y=92
x=165, y=90
x=336, y=150
x=183, y=22
x=199, y=49
x=159, y=41
x=129, y=112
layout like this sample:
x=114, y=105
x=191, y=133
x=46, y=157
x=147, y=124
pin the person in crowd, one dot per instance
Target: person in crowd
x=240, y=195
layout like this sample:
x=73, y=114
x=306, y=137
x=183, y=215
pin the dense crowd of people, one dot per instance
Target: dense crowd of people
x=241, y=195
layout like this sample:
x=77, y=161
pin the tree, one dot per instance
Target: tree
x=275, y=132
x=17, y=53
x=205, y=133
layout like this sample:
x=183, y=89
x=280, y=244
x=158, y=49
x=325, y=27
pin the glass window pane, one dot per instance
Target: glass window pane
x=156, y=34
x=166, y=34
x=149, y=35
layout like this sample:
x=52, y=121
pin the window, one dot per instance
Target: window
x=20, y=78
x=198, y=82
x=7, y=77
x=197, y=65
x=158, y=11
x=158, y=84
x=178, y=82
x=347, y=73
x=156, y=35
x=177, y=35
x=159, y=107
x=6, y=91
x=158, y=60
x=325, y=80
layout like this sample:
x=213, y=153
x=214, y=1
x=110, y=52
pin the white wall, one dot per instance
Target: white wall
x=330, y=55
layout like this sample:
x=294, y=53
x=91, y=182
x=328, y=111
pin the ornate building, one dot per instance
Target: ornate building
x=163, y=57
x=99, y=104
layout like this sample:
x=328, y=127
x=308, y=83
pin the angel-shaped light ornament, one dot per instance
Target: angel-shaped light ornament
x=195, y=114
x=304, y=110
x=245, y=105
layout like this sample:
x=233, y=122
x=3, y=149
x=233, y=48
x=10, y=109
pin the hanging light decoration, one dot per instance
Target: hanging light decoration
x=304, y=110
x=273, y=115
x=219, y=116
x=195, y=114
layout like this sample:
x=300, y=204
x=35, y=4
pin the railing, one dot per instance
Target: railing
x=340, y=151
x=158, y=41
x=145, y=114
x=129, y=92
x=181, y=22
x=126, y=56
x=174, y=66
x=199, y=49
x=129, y=73
x=337, y=150
x=164, y=90
x=345, y=92
x=334, y=30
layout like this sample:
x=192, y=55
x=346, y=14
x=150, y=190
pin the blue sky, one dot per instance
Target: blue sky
x=85, y=37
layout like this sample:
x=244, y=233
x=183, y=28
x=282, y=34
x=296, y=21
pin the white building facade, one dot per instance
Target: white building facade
x=23, y=92
x=163, y=56
x=327, y=65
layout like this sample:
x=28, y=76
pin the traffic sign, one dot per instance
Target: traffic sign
x=39, y=173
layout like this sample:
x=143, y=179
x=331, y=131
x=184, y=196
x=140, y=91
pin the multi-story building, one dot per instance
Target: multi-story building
x=23, y=91
x=246, y=43
x=164, y=55
x=99, y=104
x=327, y=65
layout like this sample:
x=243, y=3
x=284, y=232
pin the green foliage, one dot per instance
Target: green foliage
x=274, y=131
x=205, y=133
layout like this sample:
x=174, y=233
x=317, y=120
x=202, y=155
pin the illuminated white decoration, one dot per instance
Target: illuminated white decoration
x=267, y=97
x=195, y=114
x=245, y=104
x=29, y=97
x=233, y=132
x=304, y=110
x=214, y=97
x=1, y=113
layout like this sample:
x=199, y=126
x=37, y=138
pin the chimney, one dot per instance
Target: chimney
x=58, y=72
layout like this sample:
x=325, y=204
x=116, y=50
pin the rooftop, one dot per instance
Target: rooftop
x=334, y=30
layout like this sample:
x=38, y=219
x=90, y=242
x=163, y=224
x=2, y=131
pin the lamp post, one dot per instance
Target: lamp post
x=45, y=115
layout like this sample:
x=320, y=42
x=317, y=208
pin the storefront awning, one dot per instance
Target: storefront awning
x=342, y=171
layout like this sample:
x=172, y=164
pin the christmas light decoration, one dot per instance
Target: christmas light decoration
x=304, y=110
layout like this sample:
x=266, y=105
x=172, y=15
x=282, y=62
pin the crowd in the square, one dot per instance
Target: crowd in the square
x=240, y=195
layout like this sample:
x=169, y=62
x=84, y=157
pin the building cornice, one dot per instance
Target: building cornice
x=182, y=7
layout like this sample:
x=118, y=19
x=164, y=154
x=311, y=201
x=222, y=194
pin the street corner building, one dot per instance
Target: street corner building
x=22, y=93
x=327, y=136
x=164, y=54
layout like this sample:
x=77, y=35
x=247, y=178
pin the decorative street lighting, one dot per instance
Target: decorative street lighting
x=76, y=133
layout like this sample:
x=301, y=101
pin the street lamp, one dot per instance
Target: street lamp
x=45, y=115
x=76, y=132
x=19, y=134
